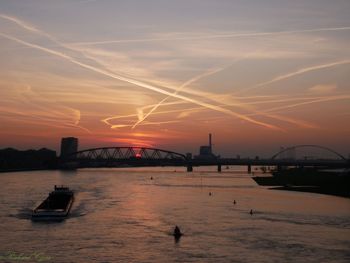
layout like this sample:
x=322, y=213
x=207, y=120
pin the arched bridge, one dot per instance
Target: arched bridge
x=124, y=156
x=319, y=147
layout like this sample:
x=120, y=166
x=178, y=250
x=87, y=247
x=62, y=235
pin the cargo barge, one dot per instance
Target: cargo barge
x=56, y=206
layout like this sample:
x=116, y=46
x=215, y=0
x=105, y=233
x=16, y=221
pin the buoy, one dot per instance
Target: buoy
x=151, y=178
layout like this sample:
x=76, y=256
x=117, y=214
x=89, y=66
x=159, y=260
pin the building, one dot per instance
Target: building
x=69, y=145
x=206, y=151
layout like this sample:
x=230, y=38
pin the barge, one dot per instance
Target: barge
x=56, y=206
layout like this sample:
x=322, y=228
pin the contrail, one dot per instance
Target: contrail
x=339, y=97
x=297, y=122
x=100, y=62
x=192, y=80
x=139, y=83
x=142, y=124
x=298, y=72
x=178, y=102
x=254, y=34
x=256, y=113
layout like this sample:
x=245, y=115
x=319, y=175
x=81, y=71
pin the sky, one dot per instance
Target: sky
x=257, y=74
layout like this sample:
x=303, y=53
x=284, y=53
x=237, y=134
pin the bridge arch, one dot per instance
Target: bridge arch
x=311, y=146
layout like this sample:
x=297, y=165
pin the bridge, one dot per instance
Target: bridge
x=144, y=156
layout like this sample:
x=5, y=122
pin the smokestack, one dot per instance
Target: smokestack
x=210, y=141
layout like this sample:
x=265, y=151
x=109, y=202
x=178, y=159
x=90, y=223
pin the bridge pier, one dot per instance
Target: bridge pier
x=189, y=168
x=279, y=168
x=219, y=168
x=249, y=168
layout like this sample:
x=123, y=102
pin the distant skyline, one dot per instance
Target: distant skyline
x=256, y=74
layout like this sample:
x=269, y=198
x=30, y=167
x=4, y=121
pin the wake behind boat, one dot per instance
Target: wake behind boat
x=56, y=206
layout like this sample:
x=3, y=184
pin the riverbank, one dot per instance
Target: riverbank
x=315, y=189
x=308, y=180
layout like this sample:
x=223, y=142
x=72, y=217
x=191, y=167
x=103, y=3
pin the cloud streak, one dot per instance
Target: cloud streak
x=325, y=99
x=298, y=72
x=141, y=115
x=214, y=36
x=220, y=108
x=21, y=23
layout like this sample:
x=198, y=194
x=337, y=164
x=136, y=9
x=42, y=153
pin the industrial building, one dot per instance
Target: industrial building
x=206, y=151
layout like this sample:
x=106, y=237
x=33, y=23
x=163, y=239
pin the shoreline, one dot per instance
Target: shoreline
x=26, y=170
x=314, y=189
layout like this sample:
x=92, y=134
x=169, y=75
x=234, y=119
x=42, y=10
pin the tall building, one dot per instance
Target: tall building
x=69, y=145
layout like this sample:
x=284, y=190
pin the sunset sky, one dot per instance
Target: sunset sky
x=256, y=74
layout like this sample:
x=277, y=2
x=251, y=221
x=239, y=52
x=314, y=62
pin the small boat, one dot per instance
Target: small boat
x=56, y=206
x=177, y=233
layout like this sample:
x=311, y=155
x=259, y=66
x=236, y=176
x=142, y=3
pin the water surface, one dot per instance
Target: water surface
x=121, y=215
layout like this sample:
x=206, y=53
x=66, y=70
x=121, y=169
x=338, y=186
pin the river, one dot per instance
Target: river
x=121, y=215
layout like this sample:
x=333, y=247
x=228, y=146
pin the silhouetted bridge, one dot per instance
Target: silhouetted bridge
x=143, y=157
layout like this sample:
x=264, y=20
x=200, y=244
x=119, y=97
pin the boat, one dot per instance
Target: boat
x=56, y=206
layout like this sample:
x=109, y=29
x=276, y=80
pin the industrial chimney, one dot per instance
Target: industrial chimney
x=210, y=145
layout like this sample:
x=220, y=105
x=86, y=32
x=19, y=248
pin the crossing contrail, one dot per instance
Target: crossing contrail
x=141, y=116
x=34, y=29
x=192, y=80
x=139, y=83
x=266, y=113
